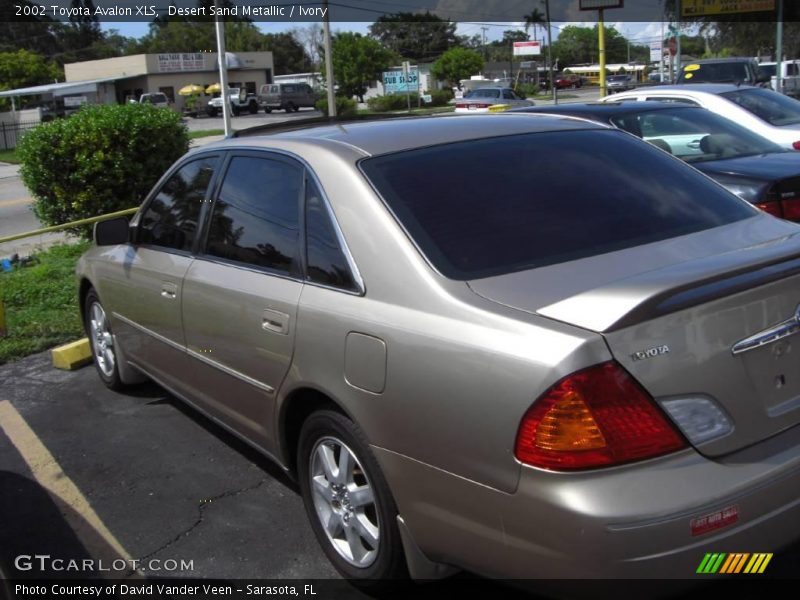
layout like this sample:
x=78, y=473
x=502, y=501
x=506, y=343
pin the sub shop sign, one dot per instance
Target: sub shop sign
x=400, y=81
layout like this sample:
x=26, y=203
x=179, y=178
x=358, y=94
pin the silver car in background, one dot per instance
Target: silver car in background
x=525, y=346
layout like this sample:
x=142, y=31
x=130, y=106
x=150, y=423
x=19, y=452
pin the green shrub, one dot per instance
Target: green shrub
x=345, y=107
x=102, y=159
x=390, y=102
x=526, y=90
x=440, y=97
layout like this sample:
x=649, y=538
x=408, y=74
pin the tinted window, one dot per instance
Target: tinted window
x=772, y=107
x=483, y=93
x=478, y=208
x=731, y=72
x=171, y=217
x=325, y=258
x=672, y=100
x=255, y=218
x=695, y=135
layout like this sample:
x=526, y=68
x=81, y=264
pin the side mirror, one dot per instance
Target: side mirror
x=112, y=232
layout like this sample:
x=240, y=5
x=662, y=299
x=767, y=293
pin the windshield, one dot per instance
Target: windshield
x=729, y=72
x=618, y=78
x=772, y=107
x=767, y=70
x=695, y=134
x=477, y=208
x=483, y=93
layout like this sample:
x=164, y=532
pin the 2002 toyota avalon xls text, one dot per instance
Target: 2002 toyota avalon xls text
x=526, y=346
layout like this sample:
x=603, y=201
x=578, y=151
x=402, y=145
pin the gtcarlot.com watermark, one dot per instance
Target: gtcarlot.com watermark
x=47, y=563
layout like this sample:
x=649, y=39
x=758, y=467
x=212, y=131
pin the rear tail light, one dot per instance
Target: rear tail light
x=595, y=417
x=796, y=145
x=790, y=203
x=771, y=204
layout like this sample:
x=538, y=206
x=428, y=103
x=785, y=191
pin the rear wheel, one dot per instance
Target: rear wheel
x=98, y=328
x=289, y=107
x=212, y=111
x=267, y=109
x=252, y=107
x=348, y=501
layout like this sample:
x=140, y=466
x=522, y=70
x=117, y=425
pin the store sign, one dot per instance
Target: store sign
x=191, y=61
x=701, y=8
x=73, y=101
x=527, y=48
x=400, y=81
x=656, y=52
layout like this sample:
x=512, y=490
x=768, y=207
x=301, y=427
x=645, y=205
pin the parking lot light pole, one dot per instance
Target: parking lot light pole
x=329, y=63
x=223, y=70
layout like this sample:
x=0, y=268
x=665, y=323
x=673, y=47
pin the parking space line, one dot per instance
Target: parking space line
x=82, y=519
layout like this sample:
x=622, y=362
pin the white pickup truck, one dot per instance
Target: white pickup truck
x=240, y=101
x=790, y=76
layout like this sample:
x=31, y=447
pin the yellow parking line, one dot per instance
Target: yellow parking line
x=95, y=536
x=16, y=202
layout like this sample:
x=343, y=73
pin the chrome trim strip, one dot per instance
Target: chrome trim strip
x=227, y=370
x=149, y=332
x=771, y=334
x=232, y=372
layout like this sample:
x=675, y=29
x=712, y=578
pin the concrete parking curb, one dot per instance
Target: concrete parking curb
x=73, y=355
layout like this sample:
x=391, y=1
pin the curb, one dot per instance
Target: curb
x=73, y=355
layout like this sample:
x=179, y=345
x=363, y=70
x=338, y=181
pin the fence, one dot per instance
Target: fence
x=11, y=133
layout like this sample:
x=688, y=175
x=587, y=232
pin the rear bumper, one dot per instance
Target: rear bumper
x=626, y=522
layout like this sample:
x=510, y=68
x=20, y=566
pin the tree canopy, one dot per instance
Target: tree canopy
x=415, y=36
x=357, y=60
x=24, y=69
x=457, y=64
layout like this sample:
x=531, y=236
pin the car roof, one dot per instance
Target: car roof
x=395, y=135
x=708, y=88
x=603, y=110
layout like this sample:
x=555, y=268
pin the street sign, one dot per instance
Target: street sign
x=527, y=48
x=398, y=82
x=598, y=4
x=701, y=8
x=672, y=45
x=656, y=52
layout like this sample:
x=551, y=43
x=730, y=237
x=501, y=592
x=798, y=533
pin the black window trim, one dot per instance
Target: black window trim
x=289, y=158
x=201, y=218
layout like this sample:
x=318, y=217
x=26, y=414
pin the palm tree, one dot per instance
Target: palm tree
x=535, y=19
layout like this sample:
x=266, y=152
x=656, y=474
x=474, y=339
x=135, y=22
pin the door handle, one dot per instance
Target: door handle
x=275, y=321
x=694, y=144
x=169, y=290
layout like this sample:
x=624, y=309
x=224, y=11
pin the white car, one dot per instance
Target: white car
x=155, y=98
x=765, y=112
x=481, y=99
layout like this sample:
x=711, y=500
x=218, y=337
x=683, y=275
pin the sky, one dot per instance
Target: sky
x=638, y=32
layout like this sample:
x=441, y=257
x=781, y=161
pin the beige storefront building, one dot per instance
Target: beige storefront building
x=135, y=75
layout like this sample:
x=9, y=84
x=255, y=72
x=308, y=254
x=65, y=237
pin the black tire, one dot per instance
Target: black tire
x=236, y=110
x=252, y=107
x=289, y=107
x=296, y=109
x=212, y=111
x=267, y=109
x=326, y=428
x=109, y=373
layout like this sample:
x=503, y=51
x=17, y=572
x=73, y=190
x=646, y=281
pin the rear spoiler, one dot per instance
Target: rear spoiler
x=655, y=293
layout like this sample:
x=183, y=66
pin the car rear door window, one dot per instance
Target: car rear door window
x=325, y=258
x=255, y=219
x=171, y=218
x=592, y=191
x=672, y=100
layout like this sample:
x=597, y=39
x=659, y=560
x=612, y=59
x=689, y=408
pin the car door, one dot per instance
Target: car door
x=147, y=296
x=241, y=293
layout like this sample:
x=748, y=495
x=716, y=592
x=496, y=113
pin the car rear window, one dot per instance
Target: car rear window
x=498, y=205
x=772, y=107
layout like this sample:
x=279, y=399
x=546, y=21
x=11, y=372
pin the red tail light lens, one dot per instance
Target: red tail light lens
x=791, y=206
x=772, y=207
x=796, y=145
x=596, y=417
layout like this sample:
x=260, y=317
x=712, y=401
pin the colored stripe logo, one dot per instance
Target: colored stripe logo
x=734, y=563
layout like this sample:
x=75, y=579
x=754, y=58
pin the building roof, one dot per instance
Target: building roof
x=63, y=88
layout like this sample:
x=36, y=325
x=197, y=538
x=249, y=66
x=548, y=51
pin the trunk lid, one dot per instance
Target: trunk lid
x=673, y=311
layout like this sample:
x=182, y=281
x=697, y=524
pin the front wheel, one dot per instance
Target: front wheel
x=98, y=328
x=348, y=501
x=252, y=108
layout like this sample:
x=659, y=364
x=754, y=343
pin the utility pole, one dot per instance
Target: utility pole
x=483, y=43
x=779, y=50
x=223, y=71
x=550, y=50
x=661, y=58
x=329, y=63
x=601, y=50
